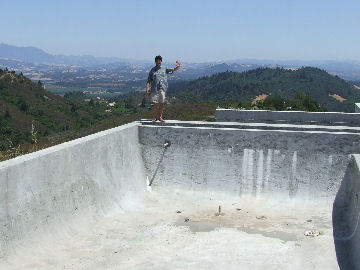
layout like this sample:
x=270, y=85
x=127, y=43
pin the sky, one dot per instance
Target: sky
x=191, y=31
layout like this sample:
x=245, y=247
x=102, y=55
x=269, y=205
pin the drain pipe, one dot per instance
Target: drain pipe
x=166, y=145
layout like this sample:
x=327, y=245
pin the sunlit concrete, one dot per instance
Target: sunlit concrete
x=223, y=196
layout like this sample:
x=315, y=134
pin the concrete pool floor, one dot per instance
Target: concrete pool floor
x=173, y=229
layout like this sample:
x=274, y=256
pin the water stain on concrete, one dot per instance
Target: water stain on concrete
x=199, y=226
x=196, y=226
x=284, y=236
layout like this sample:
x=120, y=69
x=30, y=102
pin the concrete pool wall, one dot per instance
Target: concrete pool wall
x=346, y=215
x=239, y=161
x=52, y=190
x=87, y=177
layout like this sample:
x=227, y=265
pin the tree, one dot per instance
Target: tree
x=143, y=102
x=275, y=103
x=73, y=108
x=23, y=106
x=7, y=114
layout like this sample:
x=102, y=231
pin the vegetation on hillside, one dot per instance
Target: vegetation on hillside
x=27, y=109
x=184, y=112
x=284, y=83
x=300, y=102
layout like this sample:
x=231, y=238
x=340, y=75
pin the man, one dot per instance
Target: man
x=158, y=80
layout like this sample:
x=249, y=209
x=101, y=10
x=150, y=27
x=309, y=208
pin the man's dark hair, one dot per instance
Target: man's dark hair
x=158, y=57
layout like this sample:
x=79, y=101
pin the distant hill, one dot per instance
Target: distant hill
x=324, y=88
x=346, y=69
x=194, y=71
x=36, y=55
x=28, y=112
x=28, y=54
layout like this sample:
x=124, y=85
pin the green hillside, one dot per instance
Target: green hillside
x=314, y=82
x=28, y=112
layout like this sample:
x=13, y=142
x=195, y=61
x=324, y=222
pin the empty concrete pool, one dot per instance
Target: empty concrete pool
x=234, y=194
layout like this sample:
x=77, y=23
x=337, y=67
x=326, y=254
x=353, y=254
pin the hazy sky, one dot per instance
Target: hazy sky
x=193, y=31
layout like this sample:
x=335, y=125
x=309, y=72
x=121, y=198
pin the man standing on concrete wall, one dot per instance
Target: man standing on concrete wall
x=158, y=80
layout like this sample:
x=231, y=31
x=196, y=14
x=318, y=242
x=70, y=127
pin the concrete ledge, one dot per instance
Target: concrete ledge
x=248, y=126
x=292, y=117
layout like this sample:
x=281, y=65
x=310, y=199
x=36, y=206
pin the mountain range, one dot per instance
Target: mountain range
x=12, y=56
x=35, y=55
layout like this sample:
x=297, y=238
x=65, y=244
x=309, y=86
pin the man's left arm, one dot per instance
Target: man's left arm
x=178, y=64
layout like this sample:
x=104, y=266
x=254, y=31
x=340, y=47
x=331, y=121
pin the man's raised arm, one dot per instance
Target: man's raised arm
x=178, y=64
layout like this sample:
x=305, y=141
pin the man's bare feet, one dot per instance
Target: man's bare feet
x=161, y=119
x=153, y=120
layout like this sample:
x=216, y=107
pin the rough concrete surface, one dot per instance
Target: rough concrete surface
x=262, y=234
x=222, y=197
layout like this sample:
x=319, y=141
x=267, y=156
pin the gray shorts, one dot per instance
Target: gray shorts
x=158, y=96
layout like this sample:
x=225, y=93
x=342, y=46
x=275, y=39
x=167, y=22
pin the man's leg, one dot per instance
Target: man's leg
x=155, y=111
x=161, y=111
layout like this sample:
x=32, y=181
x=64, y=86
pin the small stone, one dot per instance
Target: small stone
x=312, y=233
x=238, y=209
x=187, y=219
x=178, y=211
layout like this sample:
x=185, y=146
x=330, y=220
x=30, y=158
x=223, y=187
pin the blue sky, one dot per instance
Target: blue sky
x=193, y=31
